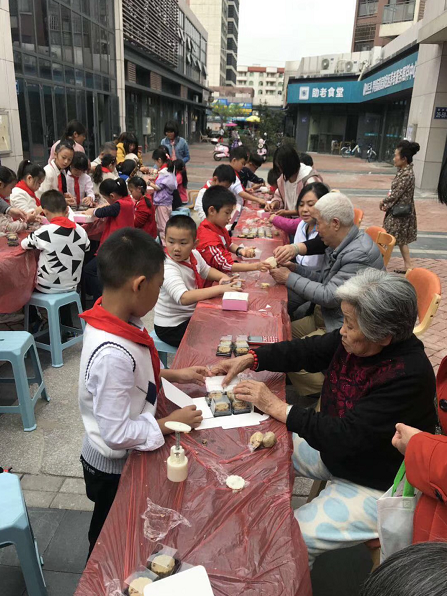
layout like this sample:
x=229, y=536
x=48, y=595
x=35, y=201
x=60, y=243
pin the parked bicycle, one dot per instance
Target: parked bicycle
x=371, y=155
x=348, y=152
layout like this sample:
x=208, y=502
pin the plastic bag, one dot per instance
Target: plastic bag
x=158, y=521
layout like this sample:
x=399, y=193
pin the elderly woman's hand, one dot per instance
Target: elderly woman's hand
x=280, y=274
x=260, y=395
x=403, y=435
x=232, y=367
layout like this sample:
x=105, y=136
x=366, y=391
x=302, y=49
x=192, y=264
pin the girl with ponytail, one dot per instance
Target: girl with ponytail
x=8, y=180
x=55, y=177
x=23, y=195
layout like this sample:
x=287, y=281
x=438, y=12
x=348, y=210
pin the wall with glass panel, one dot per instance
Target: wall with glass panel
x=64, y=58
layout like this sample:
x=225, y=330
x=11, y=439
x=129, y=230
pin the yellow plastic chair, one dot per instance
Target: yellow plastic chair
x=428, y=289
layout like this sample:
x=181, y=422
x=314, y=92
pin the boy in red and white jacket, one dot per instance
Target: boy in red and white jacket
x=214, y=242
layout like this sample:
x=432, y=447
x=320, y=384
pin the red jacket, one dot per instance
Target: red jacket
x=426, y=467
x=123, y=217
x=214, y=245
x=145, y=216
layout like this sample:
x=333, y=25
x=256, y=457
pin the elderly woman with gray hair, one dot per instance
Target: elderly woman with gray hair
x=376, y=375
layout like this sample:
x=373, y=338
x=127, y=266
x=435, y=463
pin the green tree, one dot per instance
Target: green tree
x=272, y=123
x=225, y=112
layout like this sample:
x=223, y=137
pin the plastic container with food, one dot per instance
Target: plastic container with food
x=220, y=406
x=241, y=407
x=163, y=561
x=135, y=583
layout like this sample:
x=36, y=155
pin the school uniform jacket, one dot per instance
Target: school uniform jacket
x=85, y=187
x=51, y=181
x=214, y=245
x=20, y=199
x=120, y=214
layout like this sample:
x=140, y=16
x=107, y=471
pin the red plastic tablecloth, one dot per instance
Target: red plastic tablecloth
x=17, y=274
x=249, y=542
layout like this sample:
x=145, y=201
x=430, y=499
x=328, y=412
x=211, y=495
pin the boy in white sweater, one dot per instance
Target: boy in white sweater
x=184, y=284
x=120, y=370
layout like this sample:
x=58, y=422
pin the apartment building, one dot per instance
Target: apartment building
x=267, y=82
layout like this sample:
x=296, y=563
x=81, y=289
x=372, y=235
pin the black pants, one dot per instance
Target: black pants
x=93, y=285
x=101, y=488
x=172, y=335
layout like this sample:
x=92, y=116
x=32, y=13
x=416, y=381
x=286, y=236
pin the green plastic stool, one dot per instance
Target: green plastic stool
x=52, y=304
x=15, y=529
x=14, y=346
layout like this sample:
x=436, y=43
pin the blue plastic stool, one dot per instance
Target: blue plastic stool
x=181, y=211
x=14, y=346
x=163, y=349
x=52, y=304
x=15, y=529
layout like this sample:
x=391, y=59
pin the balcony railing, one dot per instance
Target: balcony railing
x=398, y=13
x=367, y=9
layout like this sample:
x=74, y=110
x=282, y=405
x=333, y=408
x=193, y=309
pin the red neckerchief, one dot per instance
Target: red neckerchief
x=105, y=170
x=273, y=189
x=77, y=189
x=237, y=176
x=207, y=185
x=100, y=318
x=60, y=185
x=200, y=282
x=63, y=222
x=22, y=184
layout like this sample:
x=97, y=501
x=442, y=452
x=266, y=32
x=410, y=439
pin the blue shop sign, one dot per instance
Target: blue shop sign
x=394, y=78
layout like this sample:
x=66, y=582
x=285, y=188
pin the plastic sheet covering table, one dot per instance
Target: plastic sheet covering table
x=249, y=542
x=17, y=274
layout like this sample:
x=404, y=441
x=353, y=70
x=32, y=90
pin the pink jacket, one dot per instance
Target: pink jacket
x=285, y=223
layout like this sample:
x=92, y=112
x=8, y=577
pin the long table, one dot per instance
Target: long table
x=18, y=269
x=249, y=542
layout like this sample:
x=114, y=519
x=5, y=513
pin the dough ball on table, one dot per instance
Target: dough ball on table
x=272, y=261
x=136, y=587
x=163, y=565
x=256, y=440
x=269, y=439
x=235, y=482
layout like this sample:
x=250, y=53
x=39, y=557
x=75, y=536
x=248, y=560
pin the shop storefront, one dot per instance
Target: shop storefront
x=328, y=113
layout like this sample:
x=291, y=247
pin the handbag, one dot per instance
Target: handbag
x=395, y=513
x=402, y=210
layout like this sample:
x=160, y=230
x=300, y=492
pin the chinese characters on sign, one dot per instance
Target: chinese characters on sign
x=440, y=113
x=331, y=92
x=393, y=78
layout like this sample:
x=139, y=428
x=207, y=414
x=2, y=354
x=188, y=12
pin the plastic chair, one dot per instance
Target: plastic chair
x=181, y=211
x=15, y=529
x=386, y=243
x=192, y=196
x=358, y=217
x=52, y=304
x=14, y=346
x=163, y=349
x=428, y=289
x=374, y=231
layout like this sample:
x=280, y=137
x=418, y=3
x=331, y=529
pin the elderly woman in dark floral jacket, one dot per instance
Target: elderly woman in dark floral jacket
x=400, y=212
x=376, y=374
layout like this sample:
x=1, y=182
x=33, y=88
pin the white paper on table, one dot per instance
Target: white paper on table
x=215, y=383
x=177, y=396
x=193, y=582
x=180, y=399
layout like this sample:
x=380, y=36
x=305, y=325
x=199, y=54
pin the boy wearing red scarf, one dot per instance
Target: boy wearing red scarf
x=62, y=244
x=184, y=284
x=214, y=242
x=120, y=370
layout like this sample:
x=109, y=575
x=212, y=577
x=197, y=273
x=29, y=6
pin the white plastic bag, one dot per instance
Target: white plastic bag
x=395, y=513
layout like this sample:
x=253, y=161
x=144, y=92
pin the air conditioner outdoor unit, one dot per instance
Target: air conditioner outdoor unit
x=349, y=66
x=340, y=66
x=325, y=63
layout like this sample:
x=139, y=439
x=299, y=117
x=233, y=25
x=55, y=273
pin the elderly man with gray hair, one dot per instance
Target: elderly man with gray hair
x=348, y=250
x=376, y=375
